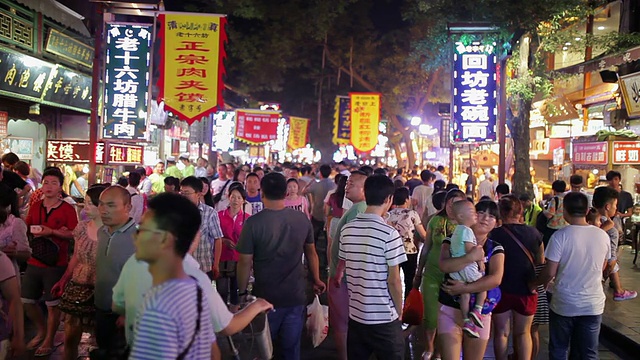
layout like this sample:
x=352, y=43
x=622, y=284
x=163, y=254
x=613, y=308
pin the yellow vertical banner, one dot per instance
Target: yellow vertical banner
x=191, y=65
x=365, y=117
x=297, y=133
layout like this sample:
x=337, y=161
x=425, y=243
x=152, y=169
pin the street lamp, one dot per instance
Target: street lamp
x=415, y=121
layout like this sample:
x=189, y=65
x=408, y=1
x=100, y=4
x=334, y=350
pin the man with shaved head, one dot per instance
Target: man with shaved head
x=115, y=246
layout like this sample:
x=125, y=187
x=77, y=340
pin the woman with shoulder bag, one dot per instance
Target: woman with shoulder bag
x=231, y=221
x=77, y=284
x=523, y=250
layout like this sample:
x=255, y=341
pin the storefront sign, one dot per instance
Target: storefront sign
x=630, y=85
x=4, y=123
x=125, y=154
x=594, y=153
x=474, y=108
x=342, y=121
x=365, y=117
x=256, y=126
x=73, y=151
x=298, y=130
x=23, y=147
x=126, y=81
x=28, y=78
x=23, y=76
x=69, y=88
x=191, y=66
x=626, y=152
x=558, y=156
x=69, y=48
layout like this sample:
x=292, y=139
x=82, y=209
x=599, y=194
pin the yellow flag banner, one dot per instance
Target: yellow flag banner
x=365, y=117
x=191, y=66
x=297, y=133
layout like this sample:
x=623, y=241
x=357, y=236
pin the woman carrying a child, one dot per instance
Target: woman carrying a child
x=450, y=319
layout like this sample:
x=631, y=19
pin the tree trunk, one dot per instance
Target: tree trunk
x=519, y=126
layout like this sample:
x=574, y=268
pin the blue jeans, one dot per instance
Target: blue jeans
x=286, y=330
x=578, y=332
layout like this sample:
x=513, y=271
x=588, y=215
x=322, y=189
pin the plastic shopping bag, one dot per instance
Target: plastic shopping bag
x=413, y=308
x=317, y=321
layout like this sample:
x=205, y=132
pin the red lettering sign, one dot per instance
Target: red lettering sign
x=590, y=153
x=626, y=152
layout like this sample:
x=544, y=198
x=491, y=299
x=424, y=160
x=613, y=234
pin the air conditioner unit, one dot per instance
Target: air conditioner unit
x=616, y=118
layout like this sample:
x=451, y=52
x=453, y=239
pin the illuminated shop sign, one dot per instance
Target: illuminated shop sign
x=474, y=110
x=73, y=151
x=126, y=81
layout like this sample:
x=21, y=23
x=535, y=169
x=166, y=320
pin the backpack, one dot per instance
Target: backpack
x=541, y=220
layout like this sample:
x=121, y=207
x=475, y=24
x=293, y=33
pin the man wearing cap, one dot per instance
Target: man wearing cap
x=172, y=169
x=189, y=169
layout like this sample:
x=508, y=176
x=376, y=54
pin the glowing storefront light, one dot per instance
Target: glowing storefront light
x=224, y=130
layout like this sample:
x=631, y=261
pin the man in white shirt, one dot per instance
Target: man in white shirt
x=342, y=168
x=421, y=198
x=576, y=257
x=137, y=201
x=486, y=187
x=201, y=168
x=440, y=174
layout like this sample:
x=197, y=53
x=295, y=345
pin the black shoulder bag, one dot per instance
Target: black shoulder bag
x=217, y=197
x=184, y=352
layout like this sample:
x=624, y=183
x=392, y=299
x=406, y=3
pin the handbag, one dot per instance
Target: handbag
x=77, y=299
x=44, y=250
x=413, y=308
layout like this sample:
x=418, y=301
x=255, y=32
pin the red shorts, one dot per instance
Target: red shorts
x=522, y=304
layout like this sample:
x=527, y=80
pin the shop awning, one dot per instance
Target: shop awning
x=602, y=62
x=59, y=13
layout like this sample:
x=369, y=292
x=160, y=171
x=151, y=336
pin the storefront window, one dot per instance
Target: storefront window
x=607, y=20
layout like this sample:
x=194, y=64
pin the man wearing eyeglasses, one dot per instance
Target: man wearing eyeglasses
x=115, y=246
x=207, y=249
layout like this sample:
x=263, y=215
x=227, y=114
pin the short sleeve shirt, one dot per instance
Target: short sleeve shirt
x=276, y=239
x=461, y=235
x=405, y=222
x=63, y=215
x=518, y=268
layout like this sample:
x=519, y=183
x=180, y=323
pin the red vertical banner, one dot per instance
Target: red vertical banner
x=256, y=126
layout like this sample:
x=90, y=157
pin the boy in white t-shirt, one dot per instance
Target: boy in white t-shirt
x=463, y=241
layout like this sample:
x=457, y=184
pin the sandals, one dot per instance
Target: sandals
x=44, y=351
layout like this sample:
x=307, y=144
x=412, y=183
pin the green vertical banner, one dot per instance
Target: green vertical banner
x=126, y=95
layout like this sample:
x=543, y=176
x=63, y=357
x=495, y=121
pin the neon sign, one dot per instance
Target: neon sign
x=474, y=108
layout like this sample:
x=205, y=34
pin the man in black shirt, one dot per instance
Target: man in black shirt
x=15, y=210
x=625, y=202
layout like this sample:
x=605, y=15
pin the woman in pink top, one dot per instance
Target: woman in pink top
x=295, y=201
x=231, y=221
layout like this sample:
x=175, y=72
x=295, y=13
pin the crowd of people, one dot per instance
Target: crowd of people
x=156, y=268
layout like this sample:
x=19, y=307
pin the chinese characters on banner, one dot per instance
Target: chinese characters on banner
x=626, y=152
x=124, y=154
x=298, y=128
x=474, y=94
x=365, y=116
x=73, y=151
x=256, y=126
x=594, y=153
x=191, y=66
x=342, y=122
x=126, y=81
x=4, y=122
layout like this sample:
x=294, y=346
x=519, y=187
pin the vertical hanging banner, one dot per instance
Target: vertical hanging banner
x=474, y=108
x=256, y=126
x=126, y=81
x=298, y=130
x=191, y=67
x=342, y=122
x=365, y=116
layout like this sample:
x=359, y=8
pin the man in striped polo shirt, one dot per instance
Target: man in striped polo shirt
x=173, y=322
x=370, y=253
